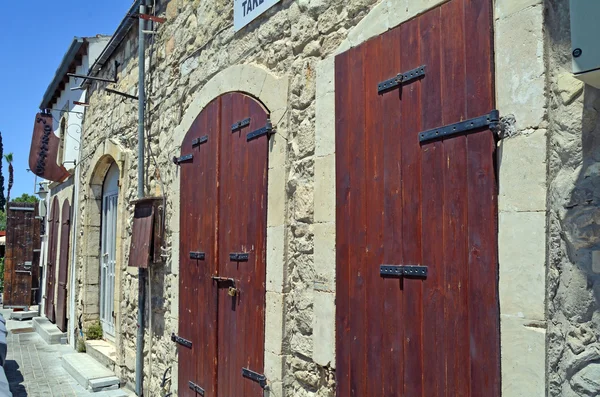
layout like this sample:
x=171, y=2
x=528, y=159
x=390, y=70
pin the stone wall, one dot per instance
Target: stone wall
x=573, y=306
x=296, y=41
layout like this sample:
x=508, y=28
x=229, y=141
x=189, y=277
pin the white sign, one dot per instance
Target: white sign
x=245, y=11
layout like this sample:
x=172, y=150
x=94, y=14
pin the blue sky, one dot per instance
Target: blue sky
x=34, y=36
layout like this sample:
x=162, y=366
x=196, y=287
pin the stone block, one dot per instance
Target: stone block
x=275, y=258
x=251, y=81
x=324, y=256
x=274, y=92
x=325, y=76
x=520, y=82
x=596, y=261
x=84, y=369
x=275, y=390
x=325, y=124
x=522, y=256
x=175, y=253
x=276, y=199
x=274, y=323
x=375, y=23
x=48, y=331
x=273, y=366
x=278, y=148
x=523, y=358
x=505, y=8
x=325, y=197
x=324, y=328
x=522, y=171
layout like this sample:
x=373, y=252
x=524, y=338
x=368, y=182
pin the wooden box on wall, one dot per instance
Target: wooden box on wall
x=147, y=232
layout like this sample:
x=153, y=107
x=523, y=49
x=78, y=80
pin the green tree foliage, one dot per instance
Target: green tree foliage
x=26, y=198
x=2, y=198
x=9, y=159
x=2, y=220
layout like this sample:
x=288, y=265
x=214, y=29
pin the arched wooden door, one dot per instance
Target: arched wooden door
x=223, y=250
x=53, y=226
x=63, y=266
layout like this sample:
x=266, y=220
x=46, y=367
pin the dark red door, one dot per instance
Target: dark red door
x=53, y=226
x=401, y=202
x=21, y=227
x=63, y=267
x=223, y=212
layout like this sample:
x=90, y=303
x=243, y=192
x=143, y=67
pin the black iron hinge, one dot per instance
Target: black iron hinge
x=196, y=388
x=490, y=120
x=197, y=255
x=400, y=79
x=200, y=141
x=266, y=130
x=240, y=124
x=403, y=271
x=256, y=377
x=179, y=160
x=239, y=257
x=181, y=341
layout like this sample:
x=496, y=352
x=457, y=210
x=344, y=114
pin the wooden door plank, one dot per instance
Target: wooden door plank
x=63, y=266
x=374, y=202
x=393, y=308
x=342, y=130
x=432, y=190
x=357, y=223
x=411, y=212
x=455, y=215
x=484, y=321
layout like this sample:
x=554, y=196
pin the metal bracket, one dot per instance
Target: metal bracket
x=164, y=378
x=238, y=257
x=196, y=388
x=489, y=120
x=179, y=160
x=84, y=77
x=240, y=124
x=181, y=341
x=403, y=271
x=401, y=78
x=197, y=255
x=200, y=141
x=256, y=377
x=111, y=91
x=266, y=130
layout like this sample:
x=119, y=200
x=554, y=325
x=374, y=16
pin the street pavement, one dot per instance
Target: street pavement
x=34, y=368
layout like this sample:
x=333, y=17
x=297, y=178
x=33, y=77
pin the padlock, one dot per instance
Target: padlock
x=232, y=291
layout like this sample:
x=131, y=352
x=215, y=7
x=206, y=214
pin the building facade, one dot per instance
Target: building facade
x=63, y=108
x=298, y=154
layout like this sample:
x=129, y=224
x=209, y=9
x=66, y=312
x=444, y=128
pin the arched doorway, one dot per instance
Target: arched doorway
x=53, y=225
x=222, y=279
x=108, y=248
x=63, y=266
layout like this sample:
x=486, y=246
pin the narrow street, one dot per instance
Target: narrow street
x=34, y=368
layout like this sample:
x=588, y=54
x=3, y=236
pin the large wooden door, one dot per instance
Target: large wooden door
x=21, y=240
x=53, y=226
x=223, y=250
x=63, y=266
x=404, y=202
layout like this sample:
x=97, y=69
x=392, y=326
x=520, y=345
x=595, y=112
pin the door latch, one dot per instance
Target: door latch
x=403, y=271
x=196, y=388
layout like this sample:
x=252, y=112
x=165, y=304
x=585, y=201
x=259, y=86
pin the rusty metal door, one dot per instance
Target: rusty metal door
x=53, y=225
x=20, y=242
x=223, y=250
x=63, y=266
x=417, y=294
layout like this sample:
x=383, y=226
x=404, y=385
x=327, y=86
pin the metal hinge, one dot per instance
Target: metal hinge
x=490, y=120
x=200, y=141
x=196, y=388
x=256, y=377
x=238, y=257
x=401, y=78
x=197, y=255
x=181, y=341
x=179, y=160
x=266, y=130
x=240, y=124
x=403, y=271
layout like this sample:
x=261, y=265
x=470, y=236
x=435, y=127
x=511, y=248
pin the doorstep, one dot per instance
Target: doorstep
x=24, y=315
x=102, y=351
x=89, y=373
x=49, y=332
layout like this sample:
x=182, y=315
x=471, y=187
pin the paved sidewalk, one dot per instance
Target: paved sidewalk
x=34, y=369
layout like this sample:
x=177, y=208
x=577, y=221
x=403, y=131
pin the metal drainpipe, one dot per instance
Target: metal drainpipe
x=139, y=353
